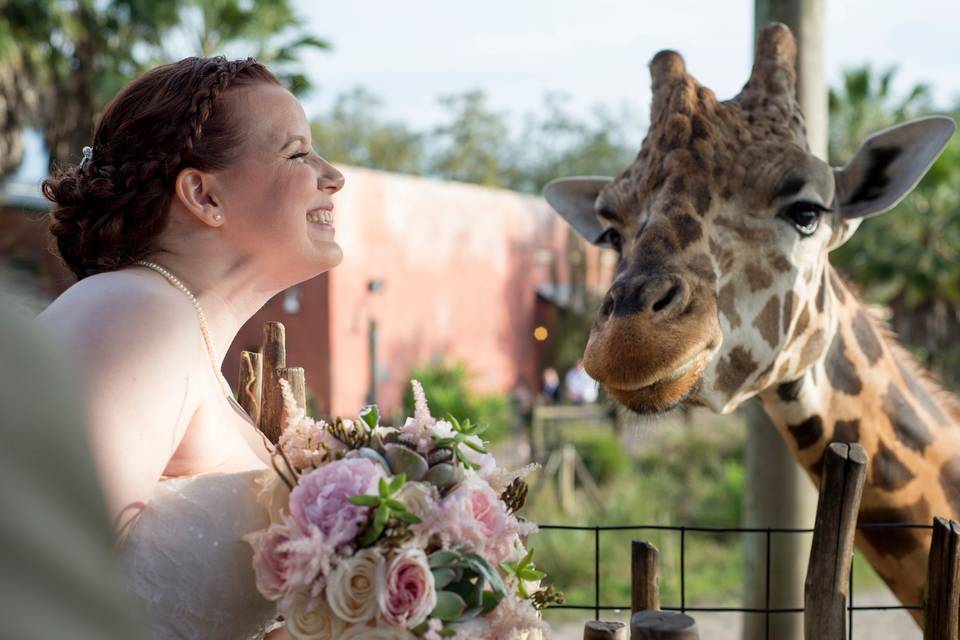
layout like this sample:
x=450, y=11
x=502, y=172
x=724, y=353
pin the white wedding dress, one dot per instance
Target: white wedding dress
x=188, y=562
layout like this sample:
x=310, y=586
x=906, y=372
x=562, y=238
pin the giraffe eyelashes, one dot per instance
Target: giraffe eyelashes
x=805, y=216
x=612, y=238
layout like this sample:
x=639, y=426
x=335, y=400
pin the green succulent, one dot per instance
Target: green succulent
x=524, y=572
x=467, y=585
x=461, y=433
x=385, y=505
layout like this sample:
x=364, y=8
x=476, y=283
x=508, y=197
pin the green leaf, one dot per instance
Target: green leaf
x=443, y=558
x=442, y=577
x=384, y=487
x=449, y=606
x=531, y=574
x=490, y=601
x=395, y=504
x=364, y=500
x=397, y=482
x=406, y=516
x=381, y=516
x=370, y=414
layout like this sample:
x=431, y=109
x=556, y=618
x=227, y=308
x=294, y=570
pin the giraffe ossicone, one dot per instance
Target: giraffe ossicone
x=723, y=290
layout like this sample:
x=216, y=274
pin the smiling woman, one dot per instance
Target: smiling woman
x=201, y=175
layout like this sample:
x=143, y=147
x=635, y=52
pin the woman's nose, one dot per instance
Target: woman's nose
x=329, y=178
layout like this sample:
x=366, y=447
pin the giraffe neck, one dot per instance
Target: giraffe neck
x=867, y=389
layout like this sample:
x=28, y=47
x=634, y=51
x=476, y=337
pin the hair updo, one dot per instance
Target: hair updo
x=109, y=210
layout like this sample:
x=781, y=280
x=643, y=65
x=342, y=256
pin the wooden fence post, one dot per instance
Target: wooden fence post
x=273, y=354
x=826, y=590
x=663, y=625
x=597, y=630
x=250, y=383
x=943, y=582
x=644, y=577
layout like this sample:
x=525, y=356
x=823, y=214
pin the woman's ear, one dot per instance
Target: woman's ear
x=194, y=190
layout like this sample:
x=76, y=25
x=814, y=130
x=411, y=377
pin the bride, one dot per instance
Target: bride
x=198, y=200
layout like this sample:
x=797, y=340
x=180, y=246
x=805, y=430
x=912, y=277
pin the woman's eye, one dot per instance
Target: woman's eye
x=302, y=154
x=805, y=216
x=613, y=238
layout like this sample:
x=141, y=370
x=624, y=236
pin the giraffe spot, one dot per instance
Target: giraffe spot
x=700, y=128
x=950, y=481
x=678, y=184
x=687, y=229
x=907, y=425
x=813, y=347
x=822, y=292
x=889, y=473
x=734, y=370
x=780, y=263
x=703, y=199
x=837, y=287
x=788, y=301
x=895, y=542
x=767, y=321
x=808, y=432
x=790, y=391
x=701, y=266
x=757, y=277
x=920, y=393
x=866, y=337
x=846, y=431
x=728, y=305
x=802, y=322
x=840, y=370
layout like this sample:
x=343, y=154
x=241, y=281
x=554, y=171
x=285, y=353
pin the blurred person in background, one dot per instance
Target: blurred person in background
x=578, y=386
x=550, y=392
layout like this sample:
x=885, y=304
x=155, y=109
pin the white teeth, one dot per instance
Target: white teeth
x=322, y=217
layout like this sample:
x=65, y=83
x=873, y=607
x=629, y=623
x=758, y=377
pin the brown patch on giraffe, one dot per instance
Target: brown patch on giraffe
x=822, y=292
x=847, y=431
x=745, y=232
x=780, y=263
x=789, y=301
x=950, y=481
x=701, y=266
x=767, y=321
x=687, y=228
x=841, y=372
x=889, y=473
x=802, y=322
x=727, y=303
x=895, y=542
x=920, y=392
x=813, y=347
x=866, y=337
x=837, y=285
x=808, y=432
x=790, y=391
x=734, y=370
x=907, y=425
x=703, y=199
x=757, y=277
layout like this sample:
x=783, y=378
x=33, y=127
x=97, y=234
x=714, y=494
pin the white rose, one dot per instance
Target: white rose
x=316, y=624
x=352, y=586
x=364, y=632
x=273, y=495
x=420, y=498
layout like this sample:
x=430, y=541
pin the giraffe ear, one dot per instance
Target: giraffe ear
x=573, y=199
x=889, y=165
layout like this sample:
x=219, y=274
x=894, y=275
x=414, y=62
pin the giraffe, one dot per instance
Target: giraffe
x=723, y=290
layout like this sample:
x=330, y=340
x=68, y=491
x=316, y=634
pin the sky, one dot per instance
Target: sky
x=408, y=53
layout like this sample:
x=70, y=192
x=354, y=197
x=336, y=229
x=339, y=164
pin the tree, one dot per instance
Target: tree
x=909, y=258
x=75, y=55
x=353, y=132
x=469, y=148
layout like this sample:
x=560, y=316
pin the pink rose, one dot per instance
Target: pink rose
x=483, y=505
x=405, y=589
x=321, y=498
x=270, y=563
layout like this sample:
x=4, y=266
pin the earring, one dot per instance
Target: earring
x=217, y=217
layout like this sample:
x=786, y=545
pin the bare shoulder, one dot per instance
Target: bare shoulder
x=123, y=310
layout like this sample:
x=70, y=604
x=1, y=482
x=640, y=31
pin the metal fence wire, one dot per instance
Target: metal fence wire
x=682, y=531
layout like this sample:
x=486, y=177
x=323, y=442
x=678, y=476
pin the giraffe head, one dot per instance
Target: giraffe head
x=723, y=224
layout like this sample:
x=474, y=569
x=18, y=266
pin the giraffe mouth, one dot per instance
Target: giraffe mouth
x=665, y=392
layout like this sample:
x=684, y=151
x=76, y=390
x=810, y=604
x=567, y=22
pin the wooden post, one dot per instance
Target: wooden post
x=565, y=478
x=596, y=630
x=250, y=383
x=273, y=354
x=943, y=582
x=644, y=577
x=663, y=625
x=298, y=385
x=826, y=591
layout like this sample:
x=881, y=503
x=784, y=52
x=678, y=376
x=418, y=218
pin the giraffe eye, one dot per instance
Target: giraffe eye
x=805, y=216
x=612, y=238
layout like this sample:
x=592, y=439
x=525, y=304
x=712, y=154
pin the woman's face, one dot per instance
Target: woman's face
x=276, y=197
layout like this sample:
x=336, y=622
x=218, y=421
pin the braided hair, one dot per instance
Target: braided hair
x=109, y=210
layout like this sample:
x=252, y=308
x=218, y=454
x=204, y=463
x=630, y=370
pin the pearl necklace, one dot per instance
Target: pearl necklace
x=204, y=330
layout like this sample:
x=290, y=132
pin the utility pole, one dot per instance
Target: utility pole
x=777, y=491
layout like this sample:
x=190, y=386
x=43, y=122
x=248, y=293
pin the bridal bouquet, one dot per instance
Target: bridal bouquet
x=395, y=533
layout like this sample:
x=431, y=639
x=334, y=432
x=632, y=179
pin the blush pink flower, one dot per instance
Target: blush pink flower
x=271, y=562
x=405, y=589
x=321, y=498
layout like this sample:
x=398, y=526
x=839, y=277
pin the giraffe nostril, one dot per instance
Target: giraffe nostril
x=606, y=309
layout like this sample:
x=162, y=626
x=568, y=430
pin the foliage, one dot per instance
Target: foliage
x=448, y=393
x=603, y=454
x=76, y=55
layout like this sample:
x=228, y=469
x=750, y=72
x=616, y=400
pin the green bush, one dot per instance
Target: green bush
x=602, y=453
x=448, y=393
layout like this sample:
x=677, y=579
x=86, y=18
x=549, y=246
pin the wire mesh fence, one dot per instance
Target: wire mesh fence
x=682, y=532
